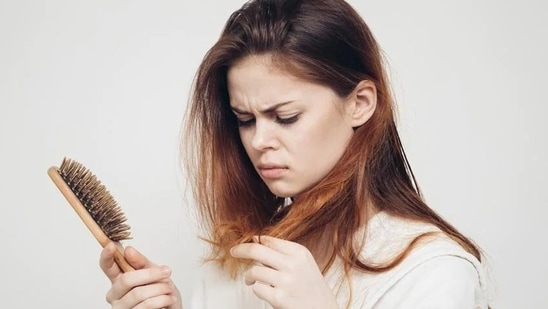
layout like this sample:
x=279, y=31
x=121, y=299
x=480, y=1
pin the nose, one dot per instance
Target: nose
x=264, y=137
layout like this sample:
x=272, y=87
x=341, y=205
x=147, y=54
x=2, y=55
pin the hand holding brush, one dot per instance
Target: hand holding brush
x=144, y=284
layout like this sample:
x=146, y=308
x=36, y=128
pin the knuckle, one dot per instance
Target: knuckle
x=166, y=288
x=284, y=279
x=253, y=271
x=255, y=288
x=293, y=265
x=248, y=277
x=149, y=303
x=137, y=294
x=171, y=287
x=116, y=304
x=124, y=281
x=108, y=297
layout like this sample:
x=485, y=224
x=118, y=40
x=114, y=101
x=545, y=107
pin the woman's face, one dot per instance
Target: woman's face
x=293, y=131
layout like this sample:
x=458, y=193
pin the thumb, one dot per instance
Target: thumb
x=136, y=259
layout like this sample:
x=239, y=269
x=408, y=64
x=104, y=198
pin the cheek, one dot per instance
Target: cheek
x=326, y=131
x=322, y=145
x=245, y=138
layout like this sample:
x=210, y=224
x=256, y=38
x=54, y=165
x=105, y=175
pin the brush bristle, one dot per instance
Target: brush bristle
x=96, y=199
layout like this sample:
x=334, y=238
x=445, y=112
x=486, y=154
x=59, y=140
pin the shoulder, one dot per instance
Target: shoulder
x=387, y=235
x=444, y=282
x=436, y=273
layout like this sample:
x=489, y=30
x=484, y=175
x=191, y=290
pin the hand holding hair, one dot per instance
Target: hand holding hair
x=149, y=286
x=286, y=274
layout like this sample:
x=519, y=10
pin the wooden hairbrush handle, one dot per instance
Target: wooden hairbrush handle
x=87, y=219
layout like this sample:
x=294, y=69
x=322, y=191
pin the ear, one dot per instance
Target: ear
x=362, y=103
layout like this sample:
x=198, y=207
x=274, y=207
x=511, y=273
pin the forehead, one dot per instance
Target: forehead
x=258, y=80
x=254, y=70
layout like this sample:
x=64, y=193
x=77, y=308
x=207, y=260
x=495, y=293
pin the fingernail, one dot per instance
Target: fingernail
x=166, y=270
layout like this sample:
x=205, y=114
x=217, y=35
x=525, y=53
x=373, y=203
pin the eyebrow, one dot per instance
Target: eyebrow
x=264, y=111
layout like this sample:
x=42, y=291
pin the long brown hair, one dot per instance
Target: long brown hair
x=322, y=41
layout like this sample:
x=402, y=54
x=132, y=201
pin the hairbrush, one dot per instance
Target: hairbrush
x=94, y=205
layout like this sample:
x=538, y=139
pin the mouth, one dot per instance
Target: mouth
x=269, y=171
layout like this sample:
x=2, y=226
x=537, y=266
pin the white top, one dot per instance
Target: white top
x=437, y=274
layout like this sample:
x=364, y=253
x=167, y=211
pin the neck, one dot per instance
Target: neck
x=322, y=246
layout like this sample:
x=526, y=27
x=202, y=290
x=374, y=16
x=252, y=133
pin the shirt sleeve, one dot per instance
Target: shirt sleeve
x=444, y=282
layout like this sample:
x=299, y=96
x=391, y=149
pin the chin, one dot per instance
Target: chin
x=281, y=191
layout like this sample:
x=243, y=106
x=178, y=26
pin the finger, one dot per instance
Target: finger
x=107, y=263
x=161, y=301
x=280, y=245
x=142, y=293
x=258, y=253
x=259, y=273
x=136, y=259
x=268, y=294
x=132, y=279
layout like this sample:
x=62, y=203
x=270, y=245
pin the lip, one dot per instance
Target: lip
x=271, y=171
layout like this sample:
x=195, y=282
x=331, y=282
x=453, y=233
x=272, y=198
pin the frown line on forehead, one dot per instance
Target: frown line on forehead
x=267, y=110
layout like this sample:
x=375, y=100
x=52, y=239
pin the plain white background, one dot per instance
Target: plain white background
x=106, y=83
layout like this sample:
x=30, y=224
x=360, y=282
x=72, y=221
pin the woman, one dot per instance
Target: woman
x=301, y=179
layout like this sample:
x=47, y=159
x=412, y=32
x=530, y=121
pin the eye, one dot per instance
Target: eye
x=288, y=120
x=246, y=123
